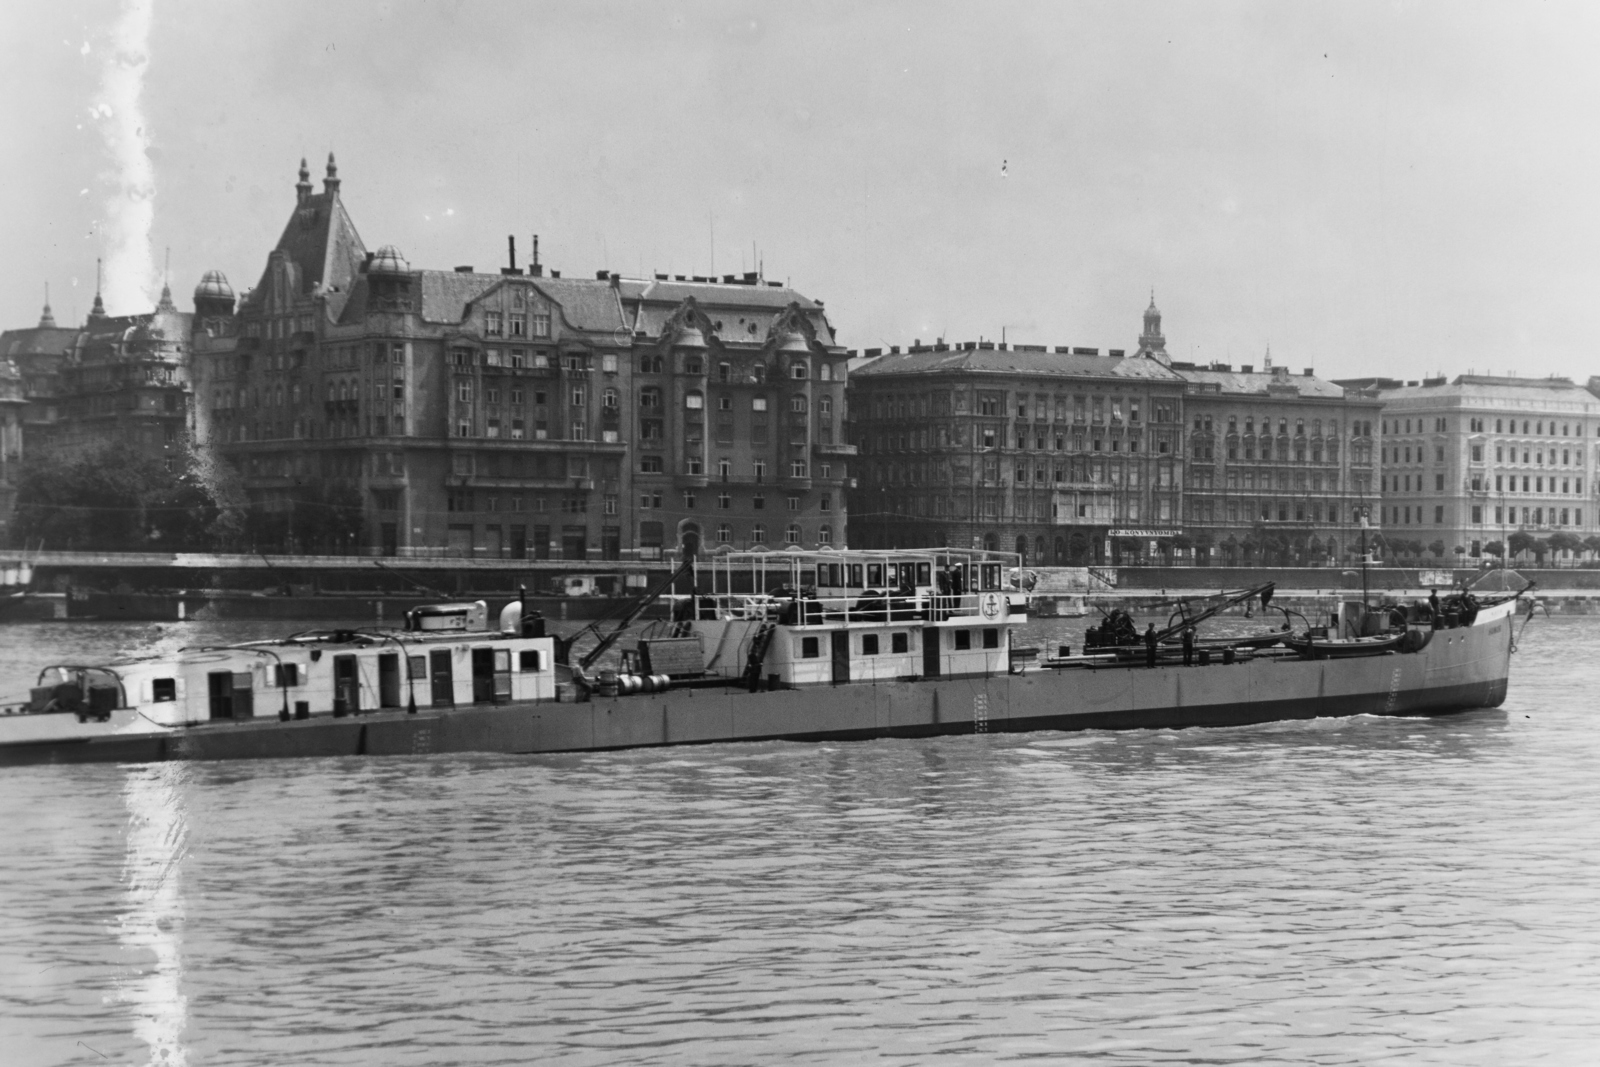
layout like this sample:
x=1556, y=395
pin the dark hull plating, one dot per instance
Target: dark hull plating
x=1460, y=669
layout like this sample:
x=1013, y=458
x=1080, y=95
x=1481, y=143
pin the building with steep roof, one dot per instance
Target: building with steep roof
x=368, y=404
x=1478, y=459
x=1064, y=456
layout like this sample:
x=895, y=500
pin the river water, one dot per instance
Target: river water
x=1361, y=891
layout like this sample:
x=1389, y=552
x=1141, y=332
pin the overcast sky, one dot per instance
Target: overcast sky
x=1370, y=188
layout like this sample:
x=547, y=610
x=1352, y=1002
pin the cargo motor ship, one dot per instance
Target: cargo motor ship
x=787, y=645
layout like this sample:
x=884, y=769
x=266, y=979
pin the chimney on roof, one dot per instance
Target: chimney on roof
x=601, y=275
x=1306, y=372
x=1247, y=368
x=534, y=269
x=511, y=251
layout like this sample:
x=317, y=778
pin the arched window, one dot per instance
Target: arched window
x=1300, y=427
x=991, y=543
x=797, y=402
x=825, y=372
x=724, y=533
x=609, y=398
x=825, y=534
x=799, y=370
x=792, y=535
x=758, y=534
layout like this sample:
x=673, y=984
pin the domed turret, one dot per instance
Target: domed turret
x=388, y=260
x=213, y=297
x=213, y=284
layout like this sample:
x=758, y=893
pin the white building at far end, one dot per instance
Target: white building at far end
x=1471, y=461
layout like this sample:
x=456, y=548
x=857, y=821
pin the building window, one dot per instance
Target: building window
x=798, y=369
x=824, y=534
x=792, y=535
x=758, y=534
x=541, y=324
x=794, y=503
x=650, y=465
x=694, y=401
x=724, y=500
x=492, y=324
x=797, y=468
x=724, y=533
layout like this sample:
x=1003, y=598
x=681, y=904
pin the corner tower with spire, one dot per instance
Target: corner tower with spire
x=1151, y=344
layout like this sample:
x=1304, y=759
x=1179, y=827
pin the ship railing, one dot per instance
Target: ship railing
x=867, y=606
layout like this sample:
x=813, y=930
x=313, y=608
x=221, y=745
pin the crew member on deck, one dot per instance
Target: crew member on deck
x=1150, y=646
x=1433, y=607
x=1188, y=646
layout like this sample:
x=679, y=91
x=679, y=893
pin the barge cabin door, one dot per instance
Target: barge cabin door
x=483, y=676
x=346, y=686
x=930, y=652
x=491, y=675
x=221, y=687
x=230, y=694
x=444, y=687
x=841, y=655
x=389, y=680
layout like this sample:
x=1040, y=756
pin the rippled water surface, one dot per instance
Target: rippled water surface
x=1362, y=891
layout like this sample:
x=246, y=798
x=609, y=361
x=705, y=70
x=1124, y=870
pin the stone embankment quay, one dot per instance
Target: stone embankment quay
x=1137, y=589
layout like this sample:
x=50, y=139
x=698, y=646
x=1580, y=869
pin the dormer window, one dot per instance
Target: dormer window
x=493, y=324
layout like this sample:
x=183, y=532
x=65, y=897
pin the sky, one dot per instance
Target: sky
x=1396, y=189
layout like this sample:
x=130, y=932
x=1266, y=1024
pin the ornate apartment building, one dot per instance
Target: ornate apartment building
x=1281, y=466
x=1474, y=460
x=1064, y=457
x=1070, y=457
x=369, y=405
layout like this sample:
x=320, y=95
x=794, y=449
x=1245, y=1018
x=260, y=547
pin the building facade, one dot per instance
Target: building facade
x=370, y=406
x=1281, y=467
x=1476, y=460
x=1066, y=457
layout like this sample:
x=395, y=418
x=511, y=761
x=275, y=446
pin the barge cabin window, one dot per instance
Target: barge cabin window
x=163, y=690
x=869, y=644
x=963, y=640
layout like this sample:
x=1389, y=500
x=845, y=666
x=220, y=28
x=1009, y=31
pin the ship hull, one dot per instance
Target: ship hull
x=1459, y=670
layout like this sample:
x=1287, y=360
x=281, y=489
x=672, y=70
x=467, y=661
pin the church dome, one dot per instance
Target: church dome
x=389, y=261
x=213, y=286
